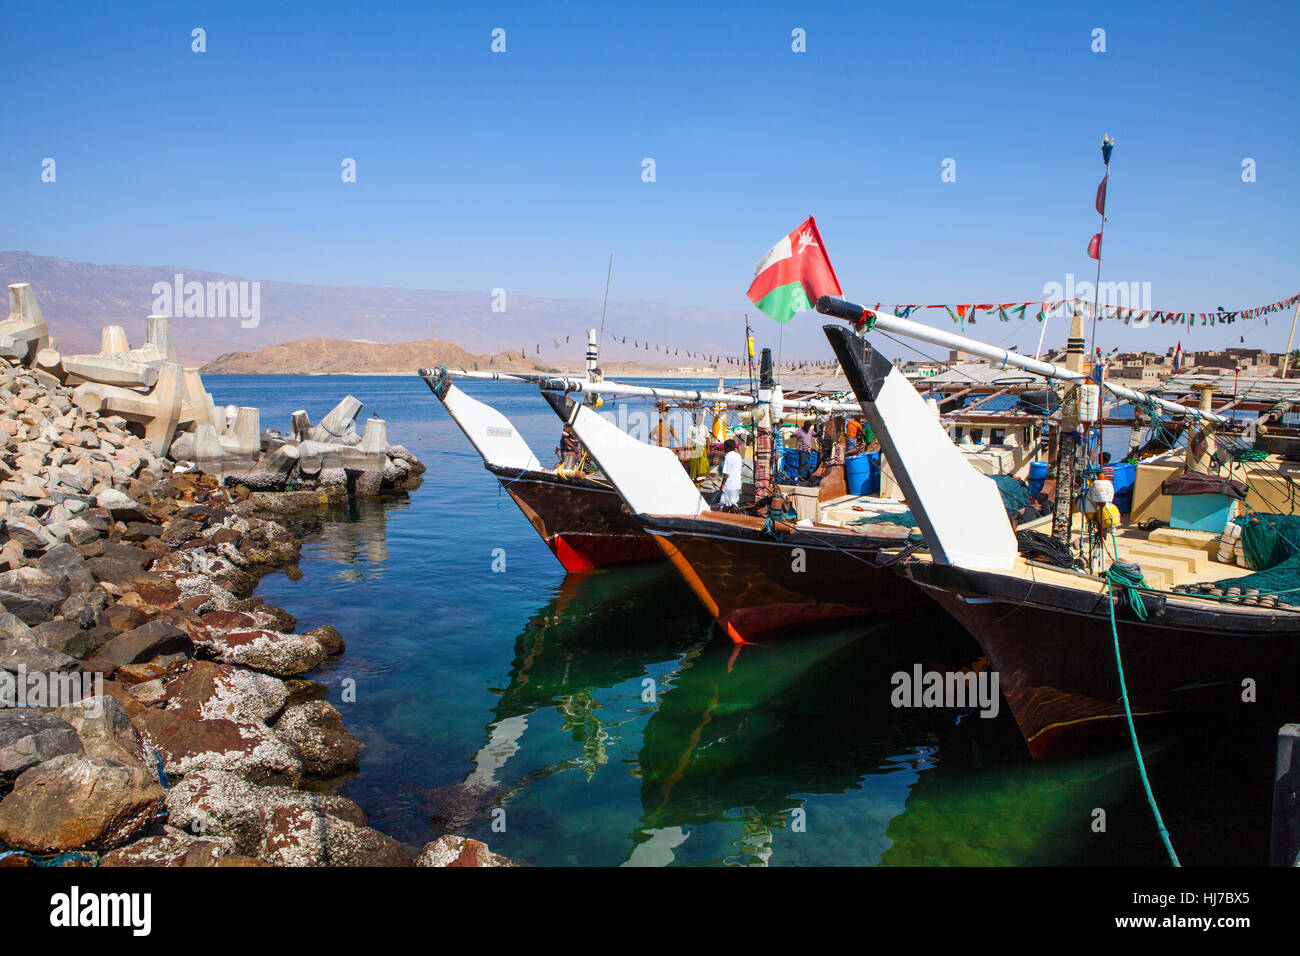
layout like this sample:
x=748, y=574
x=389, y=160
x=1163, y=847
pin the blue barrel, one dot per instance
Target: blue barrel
x=1125, y=476
x=1037, y=475
x=791, y=461
x=862, y=473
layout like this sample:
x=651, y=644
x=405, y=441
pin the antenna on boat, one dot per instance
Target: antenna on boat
x=1094, y=249
x=608, y=272
x=749, y=350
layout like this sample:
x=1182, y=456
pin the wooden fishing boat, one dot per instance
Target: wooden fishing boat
x=575, y=510
x=578, y=514
x=759, y=575
x=1076, y=651
x=762, y=577
x=763, y=573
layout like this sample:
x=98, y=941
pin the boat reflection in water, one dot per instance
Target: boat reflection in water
x=594, y=635
x=748, y=734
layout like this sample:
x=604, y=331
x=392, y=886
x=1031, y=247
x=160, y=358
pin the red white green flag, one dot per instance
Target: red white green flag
x=793, y=274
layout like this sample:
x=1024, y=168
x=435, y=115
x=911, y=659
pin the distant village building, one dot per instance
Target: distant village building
x=1254, y=361
x=921, y=369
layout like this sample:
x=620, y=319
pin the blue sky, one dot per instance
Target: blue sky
x=522, y=170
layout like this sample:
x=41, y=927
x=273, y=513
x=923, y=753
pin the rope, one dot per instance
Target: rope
x=1129, y=576
x=1054, y=550
x=503, y=487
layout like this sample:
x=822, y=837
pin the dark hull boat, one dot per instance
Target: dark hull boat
x=758, y=577
x=761, y=579
x=579, y=516
x=1052, y=645
x=1047, y=630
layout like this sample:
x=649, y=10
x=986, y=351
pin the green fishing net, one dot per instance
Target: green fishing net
x=1015, y=493
x=1269, y=540
x=1271, y=544
x=902, y=517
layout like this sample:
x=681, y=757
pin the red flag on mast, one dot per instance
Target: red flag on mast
x=1101, y=195
x=1094, y=247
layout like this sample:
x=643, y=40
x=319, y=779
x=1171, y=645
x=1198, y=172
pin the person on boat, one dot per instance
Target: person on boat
x=731, y=468
x=569, y=450
x=804, y=438
x=699, y=449
x=852, y=432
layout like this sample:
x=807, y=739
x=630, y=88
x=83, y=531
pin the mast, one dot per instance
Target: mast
x=1094, y=247
x=608, y=272
x=1068, y=441
x=1286, y=358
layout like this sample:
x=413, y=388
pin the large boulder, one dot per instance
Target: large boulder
x=174, y=848
x=76, y=801
x=114, y=570
x=104, y=728
x=31, y=737
x=120, y=506
x=44, y=582
x=32, y=594
x=279, y=825
x=247, y=749
x=64, y=564
x=453, y=850
x=316, y=729
x=146, y=642
x=304, y=838
x=330, y=639
x=28, y=532
x=272, y=652
x=204, y=690
x=68, y=637
x=23, y=654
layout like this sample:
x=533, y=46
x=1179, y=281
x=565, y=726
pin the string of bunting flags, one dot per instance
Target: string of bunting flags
x=639, y=344
x=1006, y=311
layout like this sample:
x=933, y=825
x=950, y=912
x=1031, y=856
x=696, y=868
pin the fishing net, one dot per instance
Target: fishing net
x=900, y=517
x=1282, y=580
x=1015, y=493
x=1269, y=540
x=1271, y=544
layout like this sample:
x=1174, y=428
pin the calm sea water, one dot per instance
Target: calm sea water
x=601, y=720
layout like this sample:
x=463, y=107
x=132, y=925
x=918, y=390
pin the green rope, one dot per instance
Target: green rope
x=1250, y=454
x=1129, y=577
x=1124, y=576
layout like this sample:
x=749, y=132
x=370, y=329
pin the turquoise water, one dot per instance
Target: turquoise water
x=600, y=720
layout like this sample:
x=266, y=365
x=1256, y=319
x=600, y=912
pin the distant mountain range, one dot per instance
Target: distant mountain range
x=329, y=356
x=324, y=356
x=79, y=298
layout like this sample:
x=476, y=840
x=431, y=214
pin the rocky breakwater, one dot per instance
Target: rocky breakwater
x=153, y=711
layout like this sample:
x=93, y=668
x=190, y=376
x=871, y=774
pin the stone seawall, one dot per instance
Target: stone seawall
x=153, y=711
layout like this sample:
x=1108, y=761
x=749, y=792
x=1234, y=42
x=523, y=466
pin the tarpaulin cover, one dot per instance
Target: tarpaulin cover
x=1195, y=484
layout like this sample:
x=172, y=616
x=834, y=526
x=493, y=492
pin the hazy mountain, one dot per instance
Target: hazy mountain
x=79, y=298
x=319, y=356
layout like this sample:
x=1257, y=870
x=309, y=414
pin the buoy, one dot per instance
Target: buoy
x=1089, y=402
x=1101, y=492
